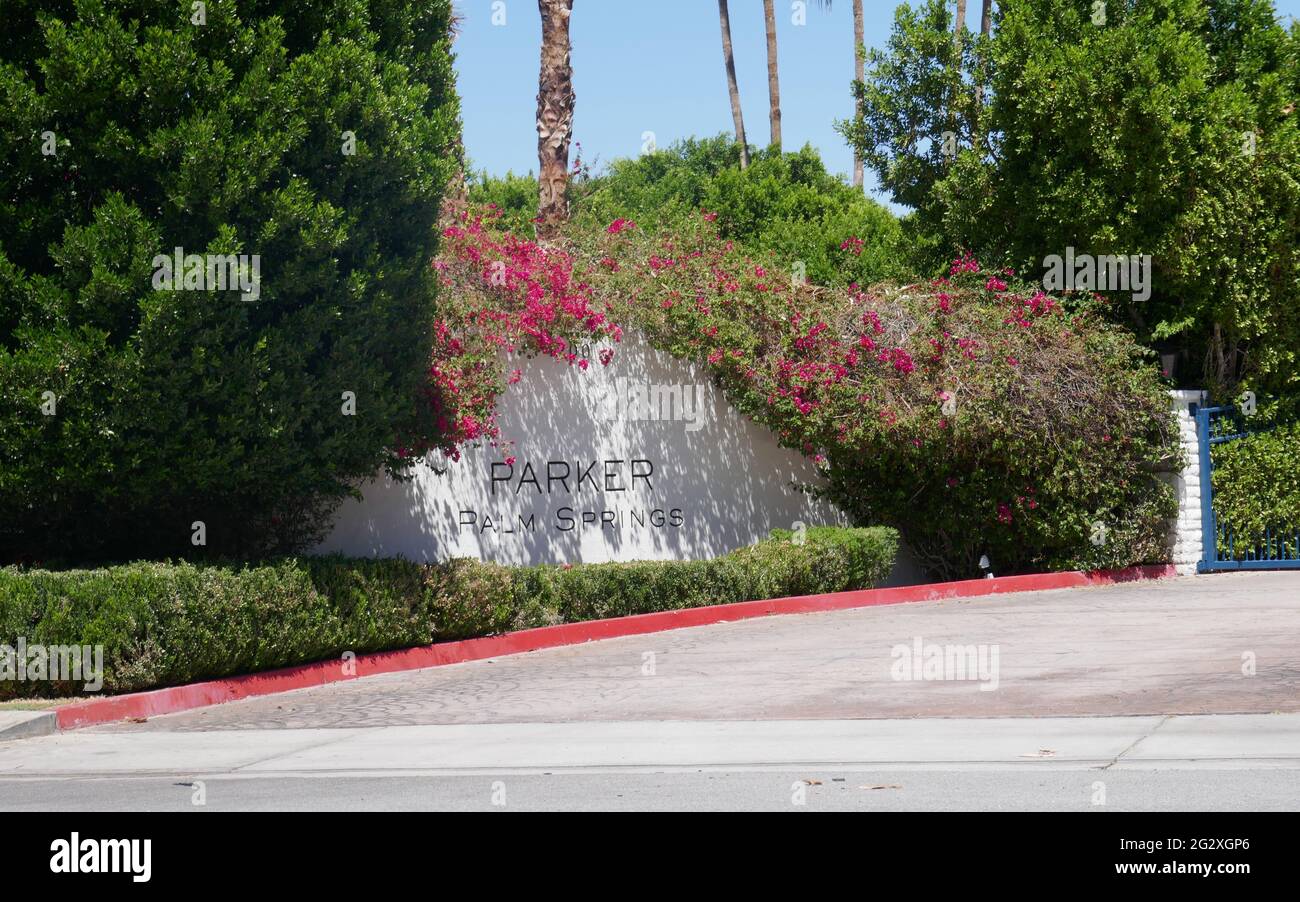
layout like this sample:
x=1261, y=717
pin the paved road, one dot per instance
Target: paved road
x=832, y=790
x=1162, y=647
x=1215, y=762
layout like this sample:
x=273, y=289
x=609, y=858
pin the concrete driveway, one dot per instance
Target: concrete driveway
x=1198, y=645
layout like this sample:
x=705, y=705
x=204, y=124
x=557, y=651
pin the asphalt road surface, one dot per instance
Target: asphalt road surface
x=794, y=790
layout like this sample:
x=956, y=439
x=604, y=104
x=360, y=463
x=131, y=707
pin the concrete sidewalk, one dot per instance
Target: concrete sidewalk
x=1151, y=648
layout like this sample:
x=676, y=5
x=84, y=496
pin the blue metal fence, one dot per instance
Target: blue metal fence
x=1222, y=548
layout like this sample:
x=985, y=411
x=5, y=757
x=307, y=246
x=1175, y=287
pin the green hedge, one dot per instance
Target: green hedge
x=164, y=624
x=1256, y=491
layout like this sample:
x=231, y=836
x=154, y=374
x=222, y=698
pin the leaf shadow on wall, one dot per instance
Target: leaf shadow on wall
x=640, y=460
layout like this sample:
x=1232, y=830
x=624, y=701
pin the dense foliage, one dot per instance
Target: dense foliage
x=1257, y=493
x=317, y=137
x=785, y=204
x=974, y=413
x=1166, y=128
x=165, y=624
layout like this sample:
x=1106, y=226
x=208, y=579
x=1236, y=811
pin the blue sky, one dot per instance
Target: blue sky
x=656, y=65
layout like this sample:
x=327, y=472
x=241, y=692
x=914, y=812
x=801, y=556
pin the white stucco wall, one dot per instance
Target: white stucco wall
x=705, y=480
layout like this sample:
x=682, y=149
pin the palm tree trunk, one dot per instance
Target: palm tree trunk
x=959, y=23
x=555, y=100
x=859, y=73
x=730, y=60
x=986, y=28
x=773, y=75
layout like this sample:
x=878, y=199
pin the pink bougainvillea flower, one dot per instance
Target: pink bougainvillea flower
x=967, y=263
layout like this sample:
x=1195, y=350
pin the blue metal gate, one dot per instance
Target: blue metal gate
x=1278, y=548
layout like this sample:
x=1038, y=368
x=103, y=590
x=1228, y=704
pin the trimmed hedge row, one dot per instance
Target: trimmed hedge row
x=165, y=624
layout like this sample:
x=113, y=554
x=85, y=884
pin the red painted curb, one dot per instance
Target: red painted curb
x=213, y=692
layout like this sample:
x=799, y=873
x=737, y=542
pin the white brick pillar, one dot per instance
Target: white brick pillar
x=1185, y=529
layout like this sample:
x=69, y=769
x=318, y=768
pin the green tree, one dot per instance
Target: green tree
x=318, y=137
x=785, y=204
x=1166, y=127
x=905, y=127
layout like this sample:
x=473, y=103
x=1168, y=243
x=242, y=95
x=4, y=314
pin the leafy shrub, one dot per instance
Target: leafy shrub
x=975, y=414
x=221, y=138
x=664, y=183
x=164, y=624
x=514, y=196
x=1256, y=492
x=785, y=205
x=852, y=548
x=830, y=560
